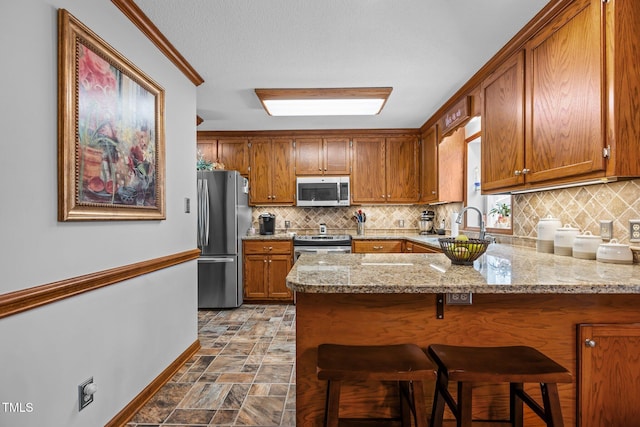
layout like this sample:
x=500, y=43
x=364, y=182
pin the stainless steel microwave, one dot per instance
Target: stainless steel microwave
x=323, y=191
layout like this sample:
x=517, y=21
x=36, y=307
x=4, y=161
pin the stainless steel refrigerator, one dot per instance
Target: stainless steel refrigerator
x=224, y=216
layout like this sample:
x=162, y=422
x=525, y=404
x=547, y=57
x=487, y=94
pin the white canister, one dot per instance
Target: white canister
x=563, y=240
x=546, y=233
x=585, y=246
x=454, y=224
x=614, y=252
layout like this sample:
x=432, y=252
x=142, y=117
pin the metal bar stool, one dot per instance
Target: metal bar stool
x=405, y=363
x=514, y=365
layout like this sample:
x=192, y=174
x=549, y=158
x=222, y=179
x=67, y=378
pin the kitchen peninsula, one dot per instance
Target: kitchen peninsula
x=584, y=314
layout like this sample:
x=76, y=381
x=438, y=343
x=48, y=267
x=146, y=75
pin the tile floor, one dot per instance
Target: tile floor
x=244, y=374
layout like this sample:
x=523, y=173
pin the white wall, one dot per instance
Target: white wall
x=123, y=335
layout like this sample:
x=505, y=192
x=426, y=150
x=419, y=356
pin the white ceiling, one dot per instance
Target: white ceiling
x=425, y=49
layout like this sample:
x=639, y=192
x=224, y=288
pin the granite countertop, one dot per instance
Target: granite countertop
x=502, y=269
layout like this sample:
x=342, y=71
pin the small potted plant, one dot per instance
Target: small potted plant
x=503, y=211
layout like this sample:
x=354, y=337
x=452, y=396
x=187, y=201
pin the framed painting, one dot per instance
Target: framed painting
x=110, y=131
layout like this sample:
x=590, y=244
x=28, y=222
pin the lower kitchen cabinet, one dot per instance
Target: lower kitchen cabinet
x=609, y=374
x=376, y=246
x=417, y=248
x=265, y=268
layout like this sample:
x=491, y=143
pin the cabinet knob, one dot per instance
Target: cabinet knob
x=265, y=260
x=319, y=169
x=273, y=197
x=517, y=173
x=525, y=171
x=268, y=197
x=589, y=343
x=433, y=192
x=269, y=261
x=270, y=247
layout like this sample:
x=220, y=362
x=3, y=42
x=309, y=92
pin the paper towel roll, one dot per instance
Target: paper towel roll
x=454, y=224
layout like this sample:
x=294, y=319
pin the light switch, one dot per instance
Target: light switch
x=606, y=229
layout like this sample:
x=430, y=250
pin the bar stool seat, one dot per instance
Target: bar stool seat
x=514, y=365
x=405, y=363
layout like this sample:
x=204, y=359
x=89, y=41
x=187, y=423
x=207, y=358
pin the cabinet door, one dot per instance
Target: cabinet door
x=417, y=248
x=503, y=126
x=565, y=137
x=207, y=147
x=309, y=156
x=608, y=375
x=451, y=167
x=401, y=167
x=337, y=156
x=377, y=246
x=284, y=181
x=234, y=154
x=254, y=276
x=279, y=266
x=260, y=160
x=429, y=166
x=368, y=174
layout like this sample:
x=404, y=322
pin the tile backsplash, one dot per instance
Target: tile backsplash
x=583, y=207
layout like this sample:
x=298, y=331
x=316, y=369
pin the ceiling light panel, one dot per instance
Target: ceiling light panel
x=323, y=102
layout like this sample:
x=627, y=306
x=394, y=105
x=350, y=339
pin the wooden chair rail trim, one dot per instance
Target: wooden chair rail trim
x=27, y=299
x=144, y=24
x=149, y=391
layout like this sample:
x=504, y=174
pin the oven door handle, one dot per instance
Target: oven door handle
x=346, y=249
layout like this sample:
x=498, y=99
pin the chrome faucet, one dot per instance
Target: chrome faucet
x=483, y=230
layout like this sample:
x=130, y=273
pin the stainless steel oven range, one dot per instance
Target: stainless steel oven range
x=321, y=243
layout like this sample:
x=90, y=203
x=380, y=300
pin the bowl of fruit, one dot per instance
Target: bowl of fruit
x=463, y=250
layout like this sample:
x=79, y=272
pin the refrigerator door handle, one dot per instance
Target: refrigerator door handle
x=203, y=213
x=214, y=260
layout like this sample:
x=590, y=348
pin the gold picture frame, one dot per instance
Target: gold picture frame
x=111, y=148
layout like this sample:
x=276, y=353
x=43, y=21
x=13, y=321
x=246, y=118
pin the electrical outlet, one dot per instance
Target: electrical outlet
x=634, y=230
x=606, y=229
x=459, y=298
x=86, y=390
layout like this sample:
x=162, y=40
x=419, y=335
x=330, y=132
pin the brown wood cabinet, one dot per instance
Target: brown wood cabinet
x=266, y=264
x=503, y=126
x=418, y=248
x=271, y=178
x=232, y=152
x=385, y=170
x=561, y=110
x=376, y=246
x=609, y=374
x=323, y=156
x=442, y=167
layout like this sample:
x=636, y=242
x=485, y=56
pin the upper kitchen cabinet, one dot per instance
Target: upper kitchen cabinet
x=442, y=167
x=429, y=166
x=323, y=156
x=385, y=170
x=564, y=109
x=233, y=153
x=503, y=126
x=368, y=171
x=271, y=177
